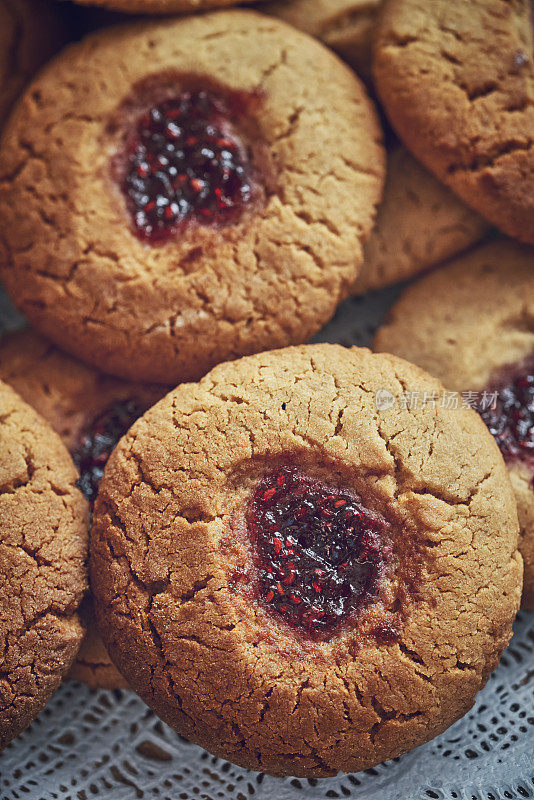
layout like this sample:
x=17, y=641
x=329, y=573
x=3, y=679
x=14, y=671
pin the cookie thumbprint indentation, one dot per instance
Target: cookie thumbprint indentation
x=98, y=440
x=509, y=412
x=318, y=552
x=185, y=161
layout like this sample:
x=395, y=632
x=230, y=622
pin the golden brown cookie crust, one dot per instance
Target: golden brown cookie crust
x=43, y=549
x=30, y=32
x=420, y=223
x=465, y=322
x=217, y=665
x=93, y=666
x=69, y=395
x=66, y=392
x=171, y=312
x=457, y=82
x=347, y=26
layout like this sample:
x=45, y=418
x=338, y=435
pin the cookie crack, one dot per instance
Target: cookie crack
x=482, y=162
x=387, y=716
x=281, y=61
x=48, y=613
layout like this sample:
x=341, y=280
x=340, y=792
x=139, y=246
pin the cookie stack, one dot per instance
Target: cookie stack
x=306, y=558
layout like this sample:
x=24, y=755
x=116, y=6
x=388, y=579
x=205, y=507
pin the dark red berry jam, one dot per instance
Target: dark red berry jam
x=98, y=440
x=510, y=418
x=318, y=552
x=185, y=161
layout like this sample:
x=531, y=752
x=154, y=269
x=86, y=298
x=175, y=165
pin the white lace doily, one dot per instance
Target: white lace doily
x=109, y=746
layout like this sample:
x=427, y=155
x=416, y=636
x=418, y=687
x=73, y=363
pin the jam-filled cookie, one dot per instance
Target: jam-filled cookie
x=30, y=32
x=43, y=553
x=177, y=194
x=471, y=325
x=299, y=575
x=457, y=82
x=91, y=412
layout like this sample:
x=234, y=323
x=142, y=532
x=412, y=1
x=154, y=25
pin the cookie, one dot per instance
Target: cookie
x=206, y=199
x=159, y=6
x=470, y=324
x=347, y=26
x=90, y=411
x=295, y=580
x=420, y=222
x=30, y=32
x=43, y=550
x=93, y=666
x=457, y=82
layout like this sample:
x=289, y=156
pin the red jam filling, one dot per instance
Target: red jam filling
x=98, y=440
x=318, y=551
x=186, y=162
x=510, y=418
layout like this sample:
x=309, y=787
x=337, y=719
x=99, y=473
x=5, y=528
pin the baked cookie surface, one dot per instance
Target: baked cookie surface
x=30, y=32
x=457, y=82
x=295, y=580
x=208, y=198
x=90, y=411
x=43, y=552
x=347, y=26
x=420, y=222
x=470, y=324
